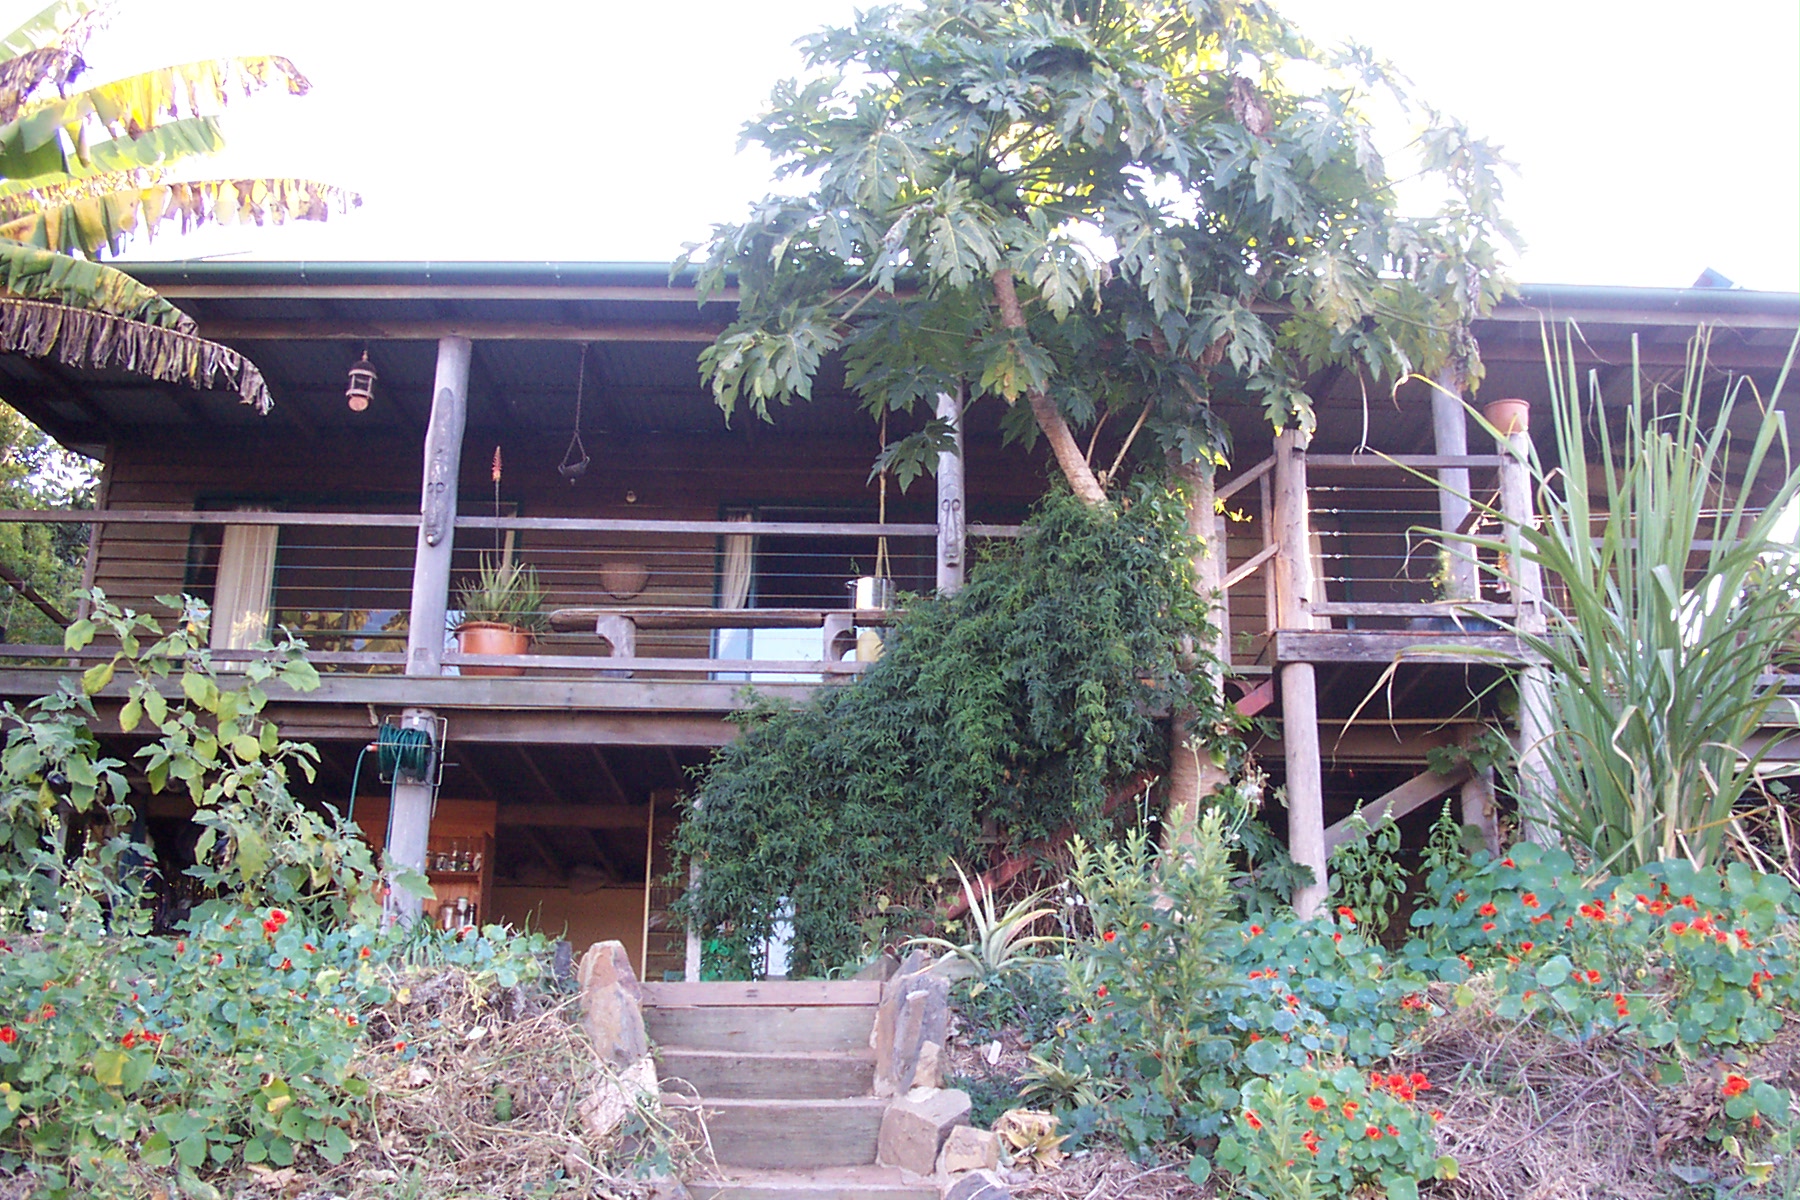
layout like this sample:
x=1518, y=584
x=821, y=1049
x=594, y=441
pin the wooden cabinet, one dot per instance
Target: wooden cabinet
x=463, y=826
x=461, y=870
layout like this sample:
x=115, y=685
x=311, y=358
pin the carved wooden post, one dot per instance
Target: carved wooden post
x=1299, y=687
x=1477, y=796
x=952, y=498
x=1535, y=785
x=1192, y=773
x=409, y=820
x=1450, y=435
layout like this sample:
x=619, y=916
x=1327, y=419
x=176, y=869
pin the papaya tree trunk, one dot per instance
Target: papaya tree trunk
x=1050, y=422
x=1193, y=775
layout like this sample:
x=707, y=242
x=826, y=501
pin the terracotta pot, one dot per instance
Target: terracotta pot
x=1508, y=416
x=486, y=637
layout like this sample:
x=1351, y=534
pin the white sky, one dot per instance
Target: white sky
x=1653, y=139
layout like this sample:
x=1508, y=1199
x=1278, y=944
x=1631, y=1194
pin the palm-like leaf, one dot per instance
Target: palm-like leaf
x=92, y=225
x=114, y=164
x=999, y=937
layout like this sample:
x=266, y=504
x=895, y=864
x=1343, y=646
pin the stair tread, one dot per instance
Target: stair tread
x=749, y=1102
x=772, y=1055
x=800, y=993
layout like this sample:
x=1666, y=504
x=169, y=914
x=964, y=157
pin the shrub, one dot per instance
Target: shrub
x=1012, y=705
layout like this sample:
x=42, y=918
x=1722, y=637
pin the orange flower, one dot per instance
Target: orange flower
x=1350, y=1107
x=1679, y=927
x=1734, y=1085
x=1527, y=946
x=1348, y=913
x=1100, y=991
x=1316, y=1103
x=1506, y=862
x=1487, y=910
x=1256, y=931
x=1146, y=927
x=1487, y=927
x=8, y=1035
x=1252, y=1120
x=1108, y=936
x=1529, y=900
x=1373, y=1132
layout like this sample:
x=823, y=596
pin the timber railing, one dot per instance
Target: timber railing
x=1363, y=549
x=723, y=599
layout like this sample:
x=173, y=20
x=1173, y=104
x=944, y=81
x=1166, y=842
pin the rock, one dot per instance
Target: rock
x=670, y=1189
x=977, y=1185
x=914, y=1128
x=881, y=968
x=616, y=1096
x=612, y=1004
x=969, y=1149
x=914, y=1010
x=930, y=1069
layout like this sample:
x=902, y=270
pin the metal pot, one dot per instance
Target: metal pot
x=871, y=592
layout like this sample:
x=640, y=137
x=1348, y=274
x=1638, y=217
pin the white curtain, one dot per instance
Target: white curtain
x=734, y=581
x=246, y=580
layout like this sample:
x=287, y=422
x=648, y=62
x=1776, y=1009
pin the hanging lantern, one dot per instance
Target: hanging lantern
x=362, y=384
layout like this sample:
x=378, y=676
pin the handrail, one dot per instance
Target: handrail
x=126, y=516
x=1250, y=476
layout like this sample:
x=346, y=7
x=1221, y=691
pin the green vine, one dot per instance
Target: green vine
x=995, y=717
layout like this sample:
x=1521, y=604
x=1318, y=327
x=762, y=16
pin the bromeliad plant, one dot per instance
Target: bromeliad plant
x=504, y=592
x=1000, y=939
x=1669, y=603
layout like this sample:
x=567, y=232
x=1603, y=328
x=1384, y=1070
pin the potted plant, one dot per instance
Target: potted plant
x=501, y=610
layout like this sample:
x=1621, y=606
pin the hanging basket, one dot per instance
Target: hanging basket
x=623, y=578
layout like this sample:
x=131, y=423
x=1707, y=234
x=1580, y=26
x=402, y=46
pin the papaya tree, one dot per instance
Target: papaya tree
x=83, y=169
x=1109, y=216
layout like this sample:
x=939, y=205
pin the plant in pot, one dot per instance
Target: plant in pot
x=502, y=608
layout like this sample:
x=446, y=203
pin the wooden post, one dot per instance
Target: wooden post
x=1535, y=723
x=649, y=881
x=952, y=497
x=1478, y=807
x=409, y=820
x=1450, y=435
x=1299, y=687
x=437, y=509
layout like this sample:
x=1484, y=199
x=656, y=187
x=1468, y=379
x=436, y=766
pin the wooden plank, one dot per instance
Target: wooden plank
x=814, y=992
x=731, y=1074
x=575, y=816
x=568, y=620
x=1237, y=482
x=1437, y=608
x=761, y=1028
x=475, y=330
x=1257, y=698
x=1421, y=789
x=641, y=294
x=597, y=663
x=1423, y=462
x=1245, y=569
x=1360, y=646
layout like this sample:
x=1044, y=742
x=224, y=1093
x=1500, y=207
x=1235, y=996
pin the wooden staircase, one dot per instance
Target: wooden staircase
x=783, y=1075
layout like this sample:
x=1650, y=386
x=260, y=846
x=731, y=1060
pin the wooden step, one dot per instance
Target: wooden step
x=761, y=1028
x=790, y=1134
x=794, y=1075
x=780, y=992
x=840, y=1183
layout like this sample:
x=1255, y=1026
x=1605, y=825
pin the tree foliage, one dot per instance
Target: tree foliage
x=84, y=169
x=1098, y=207
x=1002, y=712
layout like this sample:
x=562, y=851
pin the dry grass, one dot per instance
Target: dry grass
x=1107, y=1174
x=476, y=1095
x=1530, y=1116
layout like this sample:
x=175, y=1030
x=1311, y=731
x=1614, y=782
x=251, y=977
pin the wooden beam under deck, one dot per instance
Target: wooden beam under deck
x=1386, y=646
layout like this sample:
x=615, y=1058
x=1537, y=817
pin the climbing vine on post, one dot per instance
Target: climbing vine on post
x=995, y=717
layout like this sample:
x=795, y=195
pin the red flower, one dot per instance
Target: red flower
x=1377, y=1081
x=1395, y=1081
x=1679, y=927
x=1735, y=1084
x=1373, y=1132
x=280, y=918
x=1506, y=862
x=181, y=947
x=1393, y=1132
x=1348, y=913
x=1529, y=900
x=271, y=927
x=1488, y=927
x=1417, y=1079
x=350, y=1020
x=129, y=1040
x=1337, y=937
x=363, y=953
x=8, y=1035
x=1487, y=910
x=1252, y=1120
x=1310, y=1140
x=1256, y=931
x=1108, y=936
x=1593, y=976
x=1255, y=1037
x=1146, y=927
x=1461, y=897
x=1527, y=946
x=287, y=964
x=1100, y=991
x=1316, y=1103
x=155, y=1039
x=1350, y=1107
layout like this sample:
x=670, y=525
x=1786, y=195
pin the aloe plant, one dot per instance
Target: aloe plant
x=504, y=593
x=1668, y=609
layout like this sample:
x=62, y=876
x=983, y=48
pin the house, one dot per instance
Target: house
x=552, y=415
